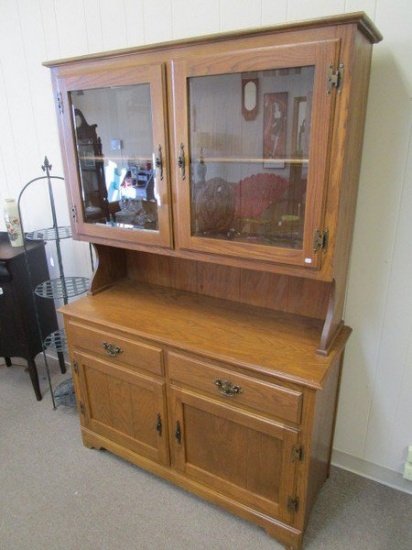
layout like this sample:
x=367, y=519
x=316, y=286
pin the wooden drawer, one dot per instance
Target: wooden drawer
x=263, y=396
x=118, y=349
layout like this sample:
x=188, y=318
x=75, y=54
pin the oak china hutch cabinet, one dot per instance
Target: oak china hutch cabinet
x=217, y=181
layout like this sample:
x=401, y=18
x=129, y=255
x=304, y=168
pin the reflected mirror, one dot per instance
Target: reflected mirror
x=114, y=140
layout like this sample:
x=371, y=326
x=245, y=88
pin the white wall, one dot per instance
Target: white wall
x=374, y=424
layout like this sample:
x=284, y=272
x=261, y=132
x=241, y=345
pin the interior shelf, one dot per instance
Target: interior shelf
x=63, y=287
x=247, y=160
x=50, y=234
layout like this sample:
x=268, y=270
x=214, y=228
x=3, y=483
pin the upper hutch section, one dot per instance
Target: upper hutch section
x=241, y=149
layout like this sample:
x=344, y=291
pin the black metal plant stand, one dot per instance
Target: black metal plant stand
x=61, y=287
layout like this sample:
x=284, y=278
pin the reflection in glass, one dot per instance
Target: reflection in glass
x=114, y=139
x=249, y=174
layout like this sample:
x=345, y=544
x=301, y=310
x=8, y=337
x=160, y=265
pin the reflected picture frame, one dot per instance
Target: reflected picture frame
x=299, y=126
x=275, y=113
x=87, y=157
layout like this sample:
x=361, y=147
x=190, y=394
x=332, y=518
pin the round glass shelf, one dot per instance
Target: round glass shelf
x=65, y=287
x=56, y=341
x=50, y=234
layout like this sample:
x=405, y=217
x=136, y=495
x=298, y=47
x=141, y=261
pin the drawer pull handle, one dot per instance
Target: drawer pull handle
x=111, y=349
x=226, y=387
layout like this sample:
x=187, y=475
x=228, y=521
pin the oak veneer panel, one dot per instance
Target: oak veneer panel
x=217, y=449
x=123, y=406
x=308, y=298
x=135, y=355
x=293, y=295
x=214, y=280
x=111, y=266
x=227, y=433
x=267, y=290
x=320, y=445
x=251, y=338
x=99, y=400
x=259, y=395
x=163, y=271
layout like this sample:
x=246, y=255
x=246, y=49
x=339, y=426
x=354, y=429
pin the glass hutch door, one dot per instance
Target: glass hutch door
x=253, y=153
x=117, y=166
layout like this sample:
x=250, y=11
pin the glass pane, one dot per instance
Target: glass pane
x=114, y=140
x=249, y=143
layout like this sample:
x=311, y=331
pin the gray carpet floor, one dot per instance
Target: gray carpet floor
x=55, y=494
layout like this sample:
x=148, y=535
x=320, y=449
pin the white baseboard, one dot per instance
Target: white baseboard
x=371, y=471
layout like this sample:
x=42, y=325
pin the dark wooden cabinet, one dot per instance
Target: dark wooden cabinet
x=19, y=329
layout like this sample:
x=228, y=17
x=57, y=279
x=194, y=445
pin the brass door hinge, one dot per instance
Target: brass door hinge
x=297, y=453
x=75, y=367
x=335, y=78
x=320, y=240
x=293, y=504
x=74, y=213
x=59, y=99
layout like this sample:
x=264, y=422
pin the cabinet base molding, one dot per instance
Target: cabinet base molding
x=290, y=537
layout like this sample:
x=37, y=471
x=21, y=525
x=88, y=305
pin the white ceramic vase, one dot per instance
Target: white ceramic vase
x=13, y=223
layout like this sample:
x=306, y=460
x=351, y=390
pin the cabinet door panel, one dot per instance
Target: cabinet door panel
x=235, y=453
x=255, y=185
x=114, y=122
x=124, y=406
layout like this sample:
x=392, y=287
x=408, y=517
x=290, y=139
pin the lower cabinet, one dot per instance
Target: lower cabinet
x=222, y=440
x=236, y=453
x=127, y=407
x=237, y=435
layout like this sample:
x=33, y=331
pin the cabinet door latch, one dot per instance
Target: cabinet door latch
x=320, y=240
x=297, y=453
x=74, y=213
x=293, y=504
x=335, y=78
x=59, y=99
x=159, y=161
x=159, y=424
x=178, y=433
x=181, y=161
